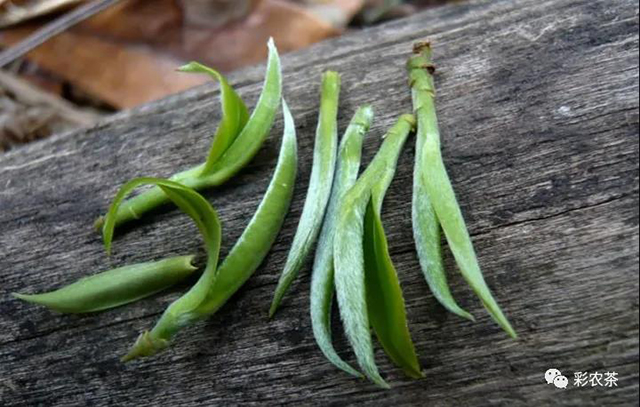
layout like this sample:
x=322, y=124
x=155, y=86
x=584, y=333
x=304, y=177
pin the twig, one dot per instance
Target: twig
x=54, y=28
x=14, y=14
x=33, y=96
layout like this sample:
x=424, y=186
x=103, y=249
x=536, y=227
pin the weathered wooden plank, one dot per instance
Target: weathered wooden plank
x=539, y=112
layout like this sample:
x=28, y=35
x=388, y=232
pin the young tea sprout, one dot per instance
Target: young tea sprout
x=237, y=140
x=367, y=288
x=217, y=284
x=322, y=278
x=193, y=204
x=438, y=198
x=324, y=162
x=116, y=287
x=426, y=227
x=352, y=259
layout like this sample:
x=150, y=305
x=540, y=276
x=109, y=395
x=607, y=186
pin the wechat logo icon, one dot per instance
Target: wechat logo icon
x=555, y=377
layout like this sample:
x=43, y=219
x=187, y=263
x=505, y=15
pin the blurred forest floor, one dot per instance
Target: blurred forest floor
x=127, y=54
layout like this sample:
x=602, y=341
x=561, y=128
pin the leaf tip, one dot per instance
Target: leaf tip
x=189, y=260
x=455, y=309
x=274, y=306
x=382, y=384
x=273, y=51
x=414, y=372
x=190, y=67
x=127, y=358
x=32, y=299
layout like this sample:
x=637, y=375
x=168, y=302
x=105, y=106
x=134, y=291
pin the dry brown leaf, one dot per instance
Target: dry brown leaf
x=14, y=12
x=157, y=23
x=216, y=13
x=28, y=113
x=127, y=54
x=25, y=93
x=226, y=48
x=243, y=43
x=123, y=76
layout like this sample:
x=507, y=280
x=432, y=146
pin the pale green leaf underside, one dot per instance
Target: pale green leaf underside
x=349, y=255
x=438, y=186
x=450, y=216
x=322, y=281
x=426, y=231
x=320, y=183
x=256, y=240
x=257, y=127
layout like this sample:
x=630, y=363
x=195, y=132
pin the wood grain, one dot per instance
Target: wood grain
x=538, y=103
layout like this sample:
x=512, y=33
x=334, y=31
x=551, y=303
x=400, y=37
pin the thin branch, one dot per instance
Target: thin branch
x=52, y=29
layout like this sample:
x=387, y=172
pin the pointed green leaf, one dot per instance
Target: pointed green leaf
x=350, y=281
x=255, y=242
x=182, y=310
x=426, y=231
x=257, y=128
x=384, y=294
x=348, y=248
x=448, y=211
x=384, y=297
x=322, y=173
x=115, y=287
x=232, y=155
x=234, y=114
x=215, y=288
x=322, y=290
x=438, y=186
x=187, y=199
x=426, y=226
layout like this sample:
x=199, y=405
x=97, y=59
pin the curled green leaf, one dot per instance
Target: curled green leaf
x=256, y=240
x=438, y=186
x=116, y=287
x=230, y=153
x=322, y=172
x=349, y=255
x=257, y=128
x=192, y=203
x=215, y=288
x=234, y=114
x=322, y=289
x=181, y=311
